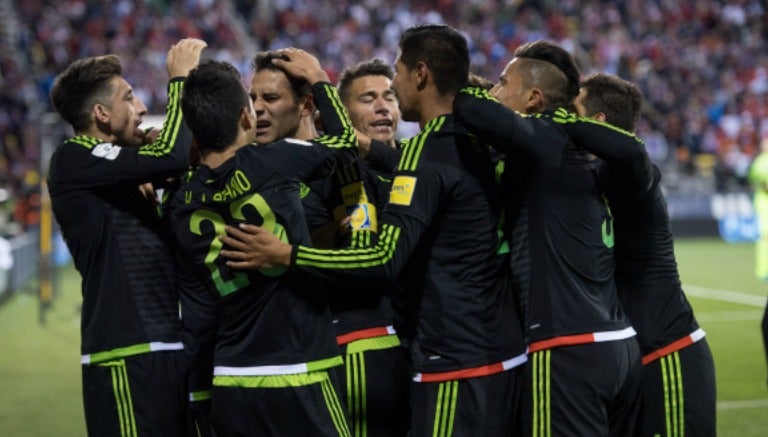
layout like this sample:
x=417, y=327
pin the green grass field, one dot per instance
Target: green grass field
x=40, y=370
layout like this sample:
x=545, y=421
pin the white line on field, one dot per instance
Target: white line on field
x=728, y=316
x=740, y=405
x=725, y=295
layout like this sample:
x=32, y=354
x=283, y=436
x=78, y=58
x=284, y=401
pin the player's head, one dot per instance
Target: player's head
x=610, y=99
x=429, y=55
x=216, y=106
x=92, y=96
x=541, y=76
x=366, y=91
x=282, y=103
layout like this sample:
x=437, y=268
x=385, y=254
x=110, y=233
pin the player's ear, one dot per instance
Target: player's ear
x=600, y=116
x=100, y=113
x=247, y=118
x=421, y=73
x=535, y=101
x=307, y=105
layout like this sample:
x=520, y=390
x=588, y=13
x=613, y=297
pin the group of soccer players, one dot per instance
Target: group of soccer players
x=507, y=271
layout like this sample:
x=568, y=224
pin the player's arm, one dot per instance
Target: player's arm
x=382, y=157
x=339, y=131
x=496, y=125
x=98, y=164
x=412, y=204
x=615, y=146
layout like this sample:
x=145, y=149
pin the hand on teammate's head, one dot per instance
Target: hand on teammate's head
x=184, y=56
x=301, y=65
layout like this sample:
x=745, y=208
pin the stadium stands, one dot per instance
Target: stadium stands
x=701, y=64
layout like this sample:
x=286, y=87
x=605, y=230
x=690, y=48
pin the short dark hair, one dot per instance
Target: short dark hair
x=443, y=49
x=479, y=81
x=263, y=61
x=373, y=67
x=540, y=57
x=619, y=99
x=81, y=85
x=212, y=100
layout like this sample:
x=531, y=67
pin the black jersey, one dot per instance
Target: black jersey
x=359, y=192
x=270, y=321
x=438, y=234
x=559, y=225
x=116, y=237
x=646, y=270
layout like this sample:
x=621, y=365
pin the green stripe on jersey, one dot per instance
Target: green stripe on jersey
x=412, y=148
x=379, y=254
x=85, y=141
x=167, y=138
x=121, y=352
x=372, y=344
x=348, y=138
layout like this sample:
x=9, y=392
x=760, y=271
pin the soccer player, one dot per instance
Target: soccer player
x=131, y=333
x=758, y=179
x=678, y=369
x=367, y=328
x=352, y=197
x=276, y=352
x=439, y=237
x=583, y=376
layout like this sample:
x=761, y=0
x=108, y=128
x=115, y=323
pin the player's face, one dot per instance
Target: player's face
x=373, y=108
x=509, y=90
x=405, y=87
x=124, y=114
x=276, y=109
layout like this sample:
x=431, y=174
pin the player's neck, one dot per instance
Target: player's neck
x=434, y=107
x=306, y=130
x=95, y=132
x=214, y=158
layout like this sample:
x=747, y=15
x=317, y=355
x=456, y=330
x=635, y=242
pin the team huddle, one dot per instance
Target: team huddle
x=274, y=261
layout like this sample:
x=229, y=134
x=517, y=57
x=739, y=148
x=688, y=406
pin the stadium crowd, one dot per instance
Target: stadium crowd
x=699, y=64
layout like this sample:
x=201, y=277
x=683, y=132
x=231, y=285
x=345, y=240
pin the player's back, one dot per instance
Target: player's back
x=270, y=317
x=118, y=245
x=465, y=312
x=647, y=278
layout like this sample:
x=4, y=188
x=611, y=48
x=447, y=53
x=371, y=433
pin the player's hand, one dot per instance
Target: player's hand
x=327, y=236
x=363, y=143
x=301, y=65
x=148, y=191
x=184, y=56
x=253, y=247
x=150, y=135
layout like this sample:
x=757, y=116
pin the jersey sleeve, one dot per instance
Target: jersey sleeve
x=382, y=157
x=413, y=202
x=338, y=129
x=619, y=148
x=87, y=162
x=496, y=125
